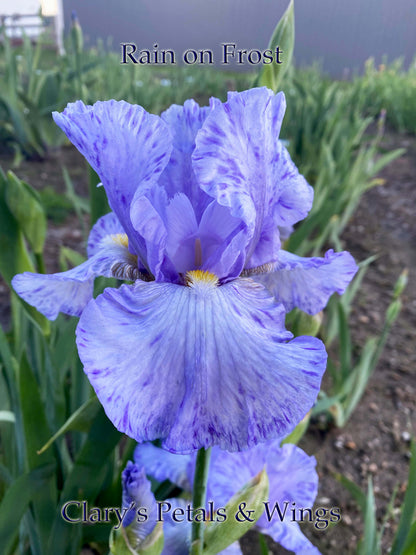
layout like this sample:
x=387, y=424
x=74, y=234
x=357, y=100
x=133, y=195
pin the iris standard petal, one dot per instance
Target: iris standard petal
x=148, y=215
x=176, y=243
x=198, y=365
x=239, y=161
x=182, y=232
x=178, y=177
x=125, y=145
x=70, y=291
x=307, y=283
x=223, y=242
x=163, y=465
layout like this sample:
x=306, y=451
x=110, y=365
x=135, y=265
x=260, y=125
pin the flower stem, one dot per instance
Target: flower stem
x=198, y=498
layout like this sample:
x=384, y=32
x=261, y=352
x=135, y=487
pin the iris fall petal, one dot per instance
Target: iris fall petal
x=307, y=283
x=163, y=361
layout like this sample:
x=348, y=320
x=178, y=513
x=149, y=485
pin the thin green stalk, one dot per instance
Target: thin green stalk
x=198, y=499
x=40, y=263
x=264, y=550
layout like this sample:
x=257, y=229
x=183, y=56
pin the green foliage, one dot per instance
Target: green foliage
x=25, y=205
x=350, y=379
x=404, y=541
x=35, y=81
x=390, y=88
x=283, y=37
x=219, y=535
x=56, y=206
x=123, y=541
x=14, y=255
x=328, y=141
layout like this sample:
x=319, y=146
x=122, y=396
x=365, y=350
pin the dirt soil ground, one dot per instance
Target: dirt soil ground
x=376, y=440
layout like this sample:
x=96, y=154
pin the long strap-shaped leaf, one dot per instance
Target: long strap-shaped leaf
x=84, y=482
x=16, y=501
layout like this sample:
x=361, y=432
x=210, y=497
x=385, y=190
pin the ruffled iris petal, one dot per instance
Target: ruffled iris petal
x=177, y=535
x=198, y=366
x=148, y=216
x=137, y=493
x=290, y=536
x=239, y=161
x=182, y=232
x=223, y=242
x=292, y=479
x=307, y=283
x=125, y=145
x=103, y=227
x=292, y=475
x=163, y=465
x=178, y=176
x=70, y=291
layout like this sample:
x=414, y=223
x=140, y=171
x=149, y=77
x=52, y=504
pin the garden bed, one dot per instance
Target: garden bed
x=375, y=441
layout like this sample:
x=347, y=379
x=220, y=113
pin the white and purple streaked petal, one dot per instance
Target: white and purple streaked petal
x=233, y=549
x=291, y=472
x=239, y=161
x=296, y=195
x=285, y=232
x=148, y=215
x=137, y=493
x=217, y=244
x=292, y=479
x=190, y=363
x=178, y=176
x=223, y=242
x=177, y=535
x=289, y=535
x=104, y=226
x=125, y=145
x=307, y=283
x=182, y=232
x=163, y=465
x=228, y=259
x=69, y=292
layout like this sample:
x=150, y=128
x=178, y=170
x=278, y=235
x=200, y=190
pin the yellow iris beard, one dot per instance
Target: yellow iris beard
x=195, y=277
x=120, y=239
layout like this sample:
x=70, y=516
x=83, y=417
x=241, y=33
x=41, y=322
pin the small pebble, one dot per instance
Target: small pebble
x=339, y=443
x=347, y=520
x=406, y=436
x=373, y=468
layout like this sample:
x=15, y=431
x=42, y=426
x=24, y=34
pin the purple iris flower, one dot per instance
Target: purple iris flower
x=194, y=352
x=293, y=484
x=137, y=494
